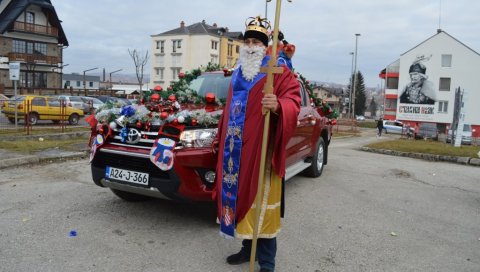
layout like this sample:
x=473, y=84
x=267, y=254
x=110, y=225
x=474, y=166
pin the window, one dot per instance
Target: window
x=162, y=46
x=78, y=83
x=30, y=17
x=176, y=44
x=158, y=45
x=444, y=84
x=33, y=79
x=40, y=49
x=175, y=72
x=90, y=84
x=39, y=101
x=176, y=61
x=24, y=47
x=446, y=60
x=230, y=50
x=18, y=46
x=161, y=74
x=214, y=59
x=67, y=83
x=237, y=49
x=392, y=82
x=443, y=106
x=214, y=45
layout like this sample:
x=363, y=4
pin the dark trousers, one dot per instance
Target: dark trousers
x=266, y=251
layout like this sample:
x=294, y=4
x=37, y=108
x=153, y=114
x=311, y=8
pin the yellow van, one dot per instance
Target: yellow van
x=41, y=108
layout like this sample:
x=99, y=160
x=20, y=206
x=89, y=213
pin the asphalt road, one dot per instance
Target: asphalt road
x=367, y=212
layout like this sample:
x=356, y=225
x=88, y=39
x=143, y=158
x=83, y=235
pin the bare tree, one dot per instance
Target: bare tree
x=140, y=61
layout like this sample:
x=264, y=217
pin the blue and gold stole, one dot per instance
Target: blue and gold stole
x=233, y=149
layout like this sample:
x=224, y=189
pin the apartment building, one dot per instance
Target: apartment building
x=31, y=34
x=189, y=47
x=444, y=64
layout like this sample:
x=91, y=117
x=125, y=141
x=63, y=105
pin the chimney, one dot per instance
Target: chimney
x=439, y=30
x=214, y=24
x=203, y=21
x=226, y=29
x=182, y=24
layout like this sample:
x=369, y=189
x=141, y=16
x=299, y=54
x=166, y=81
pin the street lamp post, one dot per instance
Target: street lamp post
x=84, y=85
x=350, y=90
x=266, y=5
x=355, y=76
x=110, y=79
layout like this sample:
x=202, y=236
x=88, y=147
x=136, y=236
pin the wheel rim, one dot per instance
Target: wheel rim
x=33, y=119
x=320, y=157
x=74, y=120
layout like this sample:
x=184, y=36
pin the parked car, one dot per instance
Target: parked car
x=76, y=102
x=41, y=108
x=192, y=176
x=360, y=118
x=113, y=99
x=466, y=134
x=397, y=127
x=94, y=103
x=426, y=131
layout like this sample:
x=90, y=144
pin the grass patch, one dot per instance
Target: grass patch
x=345, y=134
x=428, y=147
x=30, y=146
x=40, y=131
x=367, y=124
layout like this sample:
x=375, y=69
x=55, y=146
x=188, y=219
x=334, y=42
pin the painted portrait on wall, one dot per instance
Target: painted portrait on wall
x=419, y=90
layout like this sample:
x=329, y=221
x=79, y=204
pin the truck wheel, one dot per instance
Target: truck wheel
x=316, y=168
x=11, y=120
x=131, y=197
x=73, y=119
x=32, y=118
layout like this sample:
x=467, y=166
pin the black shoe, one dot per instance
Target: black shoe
x=238, y=258
x=265, y=270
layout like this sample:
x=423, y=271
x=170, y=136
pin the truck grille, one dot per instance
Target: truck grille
x=137, y=138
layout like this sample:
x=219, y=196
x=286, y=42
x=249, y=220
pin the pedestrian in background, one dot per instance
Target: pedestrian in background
x=380, y=127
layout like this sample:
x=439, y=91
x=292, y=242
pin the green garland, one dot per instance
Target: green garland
x=317, y=101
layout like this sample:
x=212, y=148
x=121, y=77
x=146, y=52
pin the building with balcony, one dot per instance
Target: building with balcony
x=31, y=34
x=189, y=47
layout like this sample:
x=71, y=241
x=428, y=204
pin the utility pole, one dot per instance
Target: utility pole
x=355, y=76
x=350, y=90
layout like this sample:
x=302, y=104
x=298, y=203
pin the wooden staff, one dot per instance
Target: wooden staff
x=271, y=69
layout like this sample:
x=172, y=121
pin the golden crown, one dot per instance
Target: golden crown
x=258, y=24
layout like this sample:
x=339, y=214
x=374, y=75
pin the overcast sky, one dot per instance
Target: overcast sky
x=101, y=32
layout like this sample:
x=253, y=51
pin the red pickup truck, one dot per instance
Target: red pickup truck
x=124, y=166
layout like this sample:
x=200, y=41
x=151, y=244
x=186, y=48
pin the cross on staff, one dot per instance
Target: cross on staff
x=270, y=70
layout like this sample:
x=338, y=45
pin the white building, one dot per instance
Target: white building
x=448, y=64
x=183, y=49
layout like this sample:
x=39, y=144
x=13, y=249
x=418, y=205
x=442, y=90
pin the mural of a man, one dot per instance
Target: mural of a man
x=419, y=90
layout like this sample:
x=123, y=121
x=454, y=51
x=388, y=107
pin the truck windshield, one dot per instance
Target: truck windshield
x=215, y=83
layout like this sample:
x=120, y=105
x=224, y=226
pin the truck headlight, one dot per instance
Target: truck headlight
x=198, y=137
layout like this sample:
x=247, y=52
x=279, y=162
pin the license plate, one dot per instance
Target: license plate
x=126, y=175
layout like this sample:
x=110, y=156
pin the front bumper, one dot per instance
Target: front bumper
x=184, y=182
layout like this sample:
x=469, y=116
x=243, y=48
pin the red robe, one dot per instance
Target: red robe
x=283, y=125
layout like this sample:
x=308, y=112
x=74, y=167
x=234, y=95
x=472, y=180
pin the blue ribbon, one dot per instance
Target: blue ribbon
x=233, y=149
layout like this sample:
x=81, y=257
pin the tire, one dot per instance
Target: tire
x=11, y=120
x=56, y=121
x=316, y=167
x=130, y=197
x=73, y=119
x=33, y=118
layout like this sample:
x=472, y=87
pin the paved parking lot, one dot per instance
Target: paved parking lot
x=367, y=212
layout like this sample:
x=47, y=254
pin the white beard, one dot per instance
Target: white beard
x=250, y=60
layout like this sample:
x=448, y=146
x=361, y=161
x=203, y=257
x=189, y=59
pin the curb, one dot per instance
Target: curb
x=12, y=162
x=423, y=156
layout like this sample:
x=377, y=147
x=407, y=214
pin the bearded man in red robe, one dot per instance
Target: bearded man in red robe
x=240, y=134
